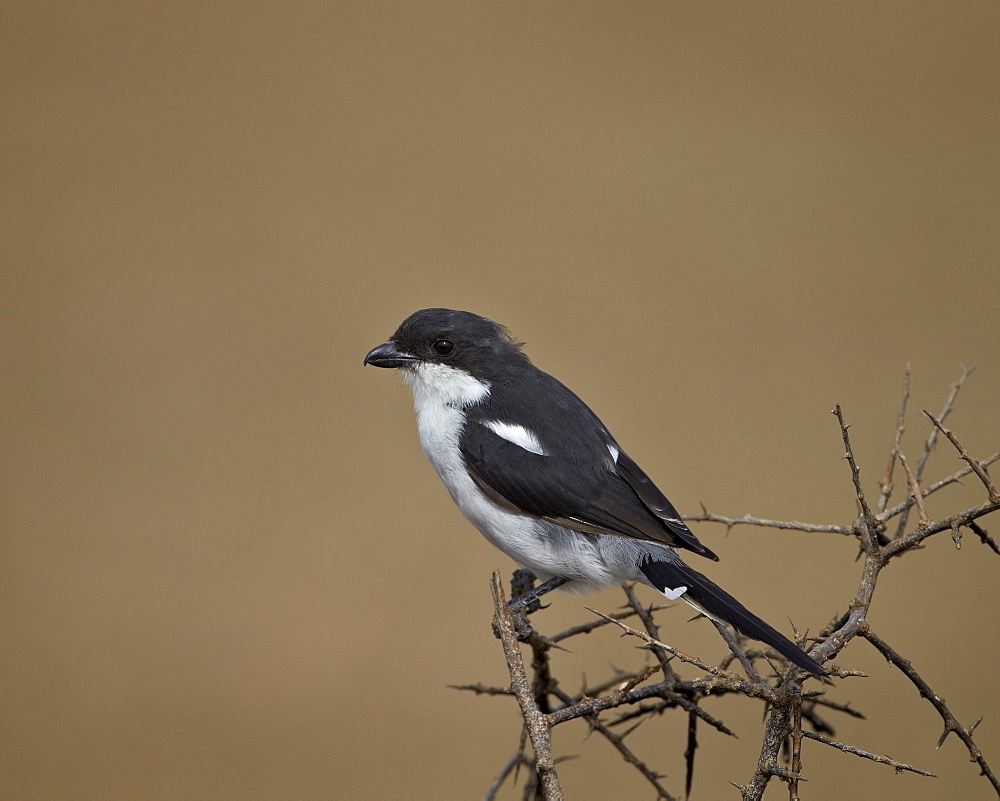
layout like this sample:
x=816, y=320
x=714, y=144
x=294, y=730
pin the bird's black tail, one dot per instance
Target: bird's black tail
x=717, y=603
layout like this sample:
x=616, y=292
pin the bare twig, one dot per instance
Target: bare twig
x=914, y=490
x=627, y=693
x=670, y=700
x=951, y=723
x=734, y=646
x=618, y=741
x=586, y=628
x=721, y=677
x=869, y=534
x=850, y=749
x=977, y=468
x=954, y=478
x=886, y=483
x=917, y=536
x=783, y=773
x=810, y=714
x=845, y=708
x=945, y=411
x=931, y=439
x=748, y=520
x=538, y=725
x=793, y=783
x=984, y=536
x=646, y=617
x=482, y=689
x=689, y=753
x=505, y=771
x=616, y=680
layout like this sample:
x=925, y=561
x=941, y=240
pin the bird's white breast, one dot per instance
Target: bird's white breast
x=440, y=396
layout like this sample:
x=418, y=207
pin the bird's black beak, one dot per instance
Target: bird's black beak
x=387, y=355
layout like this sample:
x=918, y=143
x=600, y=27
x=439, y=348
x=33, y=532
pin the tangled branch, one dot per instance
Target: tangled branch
x=635, y=697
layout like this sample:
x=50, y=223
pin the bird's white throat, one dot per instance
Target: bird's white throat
x=438, y=384
x=440, y=396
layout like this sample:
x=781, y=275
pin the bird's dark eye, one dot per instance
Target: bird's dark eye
x=443, y=347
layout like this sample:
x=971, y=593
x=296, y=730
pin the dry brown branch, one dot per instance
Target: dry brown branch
x=723, y=678
x=689, y=753
x=793, y=783
x=734, y=647
x=512, y=763
x=850, y=749
x=845, y=708
x=852, y=530
x=915, y=490
x=537, y=725
x=886, y=483
x=748, y=520
x=984, y=536
x=624, y=694
x=951, y=723
x=646, y=616
x=618, y=741
x=954, y=478
x=586, y=628
x=854, y=622
x=616, y=680
x=964, y=518
x=931, y=440
x=977, y=468
x=777, y=730
x=869, y=534
x=482, y=689
x=670, y=700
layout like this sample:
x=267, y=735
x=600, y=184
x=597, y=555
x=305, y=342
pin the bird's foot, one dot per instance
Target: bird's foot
x=525, y=600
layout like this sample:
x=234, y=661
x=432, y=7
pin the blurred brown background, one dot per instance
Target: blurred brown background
x=227, y=571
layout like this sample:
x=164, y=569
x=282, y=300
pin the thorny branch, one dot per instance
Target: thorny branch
x=951, y=724
x=850, y=749
x=885, y=485
x=537, y=724
x=931, y=439
x=869, y=532
x=788, y=707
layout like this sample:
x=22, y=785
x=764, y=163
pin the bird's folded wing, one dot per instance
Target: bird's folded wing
x=657, y=503
x=589, y=498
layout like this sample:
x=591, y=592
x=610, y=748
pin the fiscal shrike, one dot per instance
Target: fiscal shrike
x=534, y=469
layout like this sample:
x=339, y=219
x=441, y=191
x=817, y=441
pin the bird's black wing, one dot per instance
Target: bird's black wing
x=586, y=495
x=657, y=503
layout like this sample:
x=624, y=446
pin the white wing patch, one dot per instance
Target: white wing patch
x=614, y=453
x=673, y=595
x=519, y=435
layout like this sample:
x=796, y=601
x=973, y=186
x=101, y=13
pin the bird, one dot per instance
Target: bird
x=541, y=477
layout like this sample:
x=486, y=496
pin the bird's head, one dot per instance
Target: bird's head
x=439, y=339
